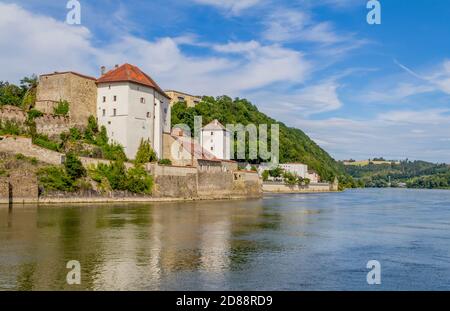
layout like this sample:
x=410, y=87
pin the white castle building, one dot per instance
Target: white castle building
x=215, y=139
x=133, y=107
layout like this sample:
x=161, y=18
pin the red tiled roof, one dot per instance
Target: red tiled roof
x=130, y=73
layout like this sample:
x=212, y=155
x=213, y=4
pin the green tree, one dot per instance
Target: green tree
x=145, y=153
x=74, y=167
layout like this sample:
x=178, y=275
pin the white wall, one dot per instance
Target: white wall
x=217, y=142
x=134, y=120
x=300, y=170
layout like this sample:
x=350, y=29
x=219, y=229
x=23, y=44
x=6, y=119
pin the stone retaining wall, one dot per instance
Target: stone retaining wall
x=282, y=188
x=25, y=146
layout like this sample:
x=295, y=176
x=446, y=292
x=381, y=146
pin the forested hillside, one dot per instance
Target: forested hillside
x=295, y=146
x=415, y=174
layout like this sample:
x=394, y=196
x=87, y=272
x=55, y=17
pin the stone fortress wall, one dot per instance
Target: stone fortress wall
x=171, y=182
x=79, y=90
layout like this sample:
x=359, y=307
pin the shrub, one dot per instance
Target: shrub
x=115, y=176
x=290, y=179
x=55, y=178
x=20, y=156
x=74, y=167
x=34, y=114
x=165, y=162
x=91, y=130
x=10, y=128
x=62, y=109
x=75, y=134
x=138, y=181
x=145, y=153
x=265, y=175
x=113, y=152
x=44, y=142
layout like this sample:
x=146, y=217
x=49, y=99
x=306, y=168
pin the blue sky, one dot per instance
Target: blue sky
x=359, y=90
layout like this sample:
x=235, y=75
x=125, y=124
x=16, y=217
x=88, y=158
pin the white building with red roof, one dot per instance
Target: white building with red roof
x=132, y=107
x=216, y=139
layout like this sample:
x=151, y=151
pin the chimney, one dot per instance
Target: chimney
x=102, y=70
x=117, y=66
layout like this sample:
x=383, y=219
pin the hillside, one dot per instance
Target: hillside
x=416, y=174
x=295, y=145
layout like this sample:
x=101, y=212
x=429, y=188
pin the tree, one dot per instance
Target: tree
x=74, y=167
x=145, y=153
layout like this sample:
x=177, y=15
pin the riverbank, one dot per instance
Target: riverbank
x=273, y=187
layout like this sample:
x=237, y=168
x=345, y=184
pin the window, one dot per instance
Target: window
x=109, y=122
x=212, y=133
x=109, y=87
x=142, y=100
x=104, y=112
x=212, y=148
x=181, y=99
x=148, y=114
x=115, y=98
x=104, y=99
x=115, y=112
x=165, y=110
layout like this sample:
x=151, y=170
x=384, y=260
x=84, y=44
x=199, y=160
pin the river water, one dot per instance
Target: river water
x=281, y=242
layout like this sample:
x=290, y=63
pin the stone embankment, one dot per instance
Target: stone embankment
x=172, y=183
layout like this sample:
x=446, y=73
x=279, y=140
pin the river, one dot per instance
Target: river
x=281, y=242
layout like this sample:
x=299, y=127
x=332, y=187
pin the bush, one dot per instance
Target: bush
x=62, y=109
x=165, y=162
x=290, y=179
x=10, y=128
x=56, y=179
x=145, y=153
x=116, y=177
x=44, y=142
x=34, y=114
x=138, y=181
x=113, y=152
x=75, y=134
x=74, y=167
x=265, y=175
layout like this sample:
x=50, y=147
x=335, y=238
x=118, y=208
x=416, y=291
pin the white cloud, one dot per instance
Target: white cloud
x=35, y=44
x=286, y=25
x=307, y=101
x=42, y=44
x=231, y=6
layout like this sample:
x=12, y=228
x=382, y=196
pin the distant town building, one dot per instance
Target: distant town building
x=132, y=107
x=190, y=100
x=299, y=169
x=78, y=90
x=216, y=139
x=313, y=176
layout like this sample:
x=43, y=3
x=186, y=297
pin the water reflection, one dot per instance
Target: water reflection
x=284, y=242
x=127, y=246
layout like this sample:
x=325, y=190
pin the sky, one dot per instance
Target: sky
x=359, y=90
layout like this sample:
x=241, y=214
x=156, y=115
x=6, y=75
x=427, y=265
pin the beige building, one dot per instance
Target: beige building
x=176, y=97
x=78, y=90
